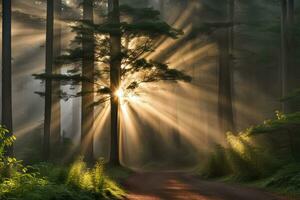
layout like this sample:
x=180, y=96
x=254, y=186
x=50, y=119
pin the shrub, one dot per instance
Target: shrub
x=49, y=182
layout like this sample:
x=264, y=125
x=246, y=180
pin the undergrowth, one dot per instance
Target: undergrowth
x=46, y=181
x=248, y=160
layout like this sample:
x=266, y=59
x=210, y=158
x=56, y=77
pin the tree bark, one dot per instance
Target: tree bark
x=6, y=71
x=87, y=112
x=175, y=132
x=291, y=11
x=115, y=78
x=49, y=70
x=56, y=115
x=283, y=67
x=292, y=73
x=162, y=8
x=225, y=42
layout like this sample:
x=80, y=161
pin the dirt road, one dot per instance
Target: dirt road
x=179, y=186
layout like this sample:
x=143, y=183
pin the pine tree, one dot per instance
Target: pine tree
x=88, y=70
x=6, y=71
x=56, y=109
x=225, y=110
x=122, y=68
x=48, y=71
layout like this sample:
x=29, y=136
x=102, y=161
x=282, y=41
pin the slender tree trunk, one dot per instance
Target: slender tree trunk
x=56, y=115
x=162, y=8
x=49, y=69
x=87, y=112
x=175, y=130
x=6, y=71
x=115, y=78
x=231, y=10
x=283, y=67
x=292, y=75
x=231, y=30
x=291, y=71
x=291, y=12
x=225, y=110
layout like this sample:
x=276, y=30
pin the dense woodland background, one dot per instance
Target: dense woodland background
x=257, y=77
x=242, y=57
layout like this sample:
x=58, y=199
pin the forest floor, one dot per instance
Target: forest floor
x=181, y=186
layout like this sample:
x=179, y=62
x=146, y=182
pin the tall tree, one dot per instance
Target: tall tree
x=292, y=79
x=288, y=69
x=141, y=25
x=48, y=71
x=162, y=8
x=225, y=42
x=115, y=78
x=291, y=11
x=283, y=54
x=56, y=115
x=6, y=70
x=88, y=70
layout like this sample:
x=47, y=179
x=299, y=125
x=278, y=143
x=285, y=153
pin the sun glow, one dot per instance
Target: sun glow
x=152, y=113
x=120, y=93
x=126, y=96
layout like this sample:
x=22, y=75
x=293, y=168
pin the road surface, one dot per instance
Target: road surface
x=180, y=186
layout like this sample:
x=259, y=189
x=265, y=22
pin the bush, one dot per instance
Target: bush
x=49, y=182
x=286, y=179
x=265, y=156
x=46, y=181
x=240, y=159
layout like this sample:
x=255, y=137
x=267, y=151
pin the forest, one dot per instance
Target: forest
x=150, y=100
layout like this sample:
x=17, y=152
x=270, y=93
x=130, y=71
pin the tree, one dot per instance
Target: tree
x=56, y=116
x=88, y=70
x=162, y=8
x=283, y=54
x=122, y=68
x=48, y=71
x=115, y=78
x=6, y=72
x=291, y=71
x=225, y=42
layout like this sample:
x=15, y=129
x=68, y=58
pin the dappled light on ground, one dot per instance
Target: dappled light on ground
x=176, y=186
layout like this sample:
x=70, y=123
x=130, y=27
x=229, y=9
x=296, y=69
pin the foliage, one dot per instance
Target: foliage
x=5, y=141
x=287, y=179
x=294, y=96
x=93, y=180
x=7, y=164
x=285, y=122
x=140, y=30
x=241, y=160
x=49, y=182
x=245, y=159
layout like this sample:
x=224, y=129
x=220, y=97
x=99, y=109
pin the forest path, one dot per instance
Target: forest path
x=180, y=186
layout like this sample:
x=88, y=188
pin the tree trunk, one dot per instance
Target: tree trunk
x=49, y=66
x=283, y=67
x=87, y=112
x=292, y=74
x=291, y=11
x=175, y=129
x=6, y=71
x=115, y=77
x=56, y=115
x=225, y=110
x=162, y=8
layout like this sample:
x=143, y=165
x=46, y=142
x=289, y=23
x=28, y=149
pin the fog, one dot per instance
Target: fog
x=164, y=114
